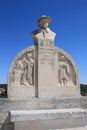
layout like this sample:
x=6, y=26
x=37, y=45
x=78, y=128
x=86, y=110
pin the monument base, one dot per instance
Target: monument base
x=51, y=119
x=44, y=104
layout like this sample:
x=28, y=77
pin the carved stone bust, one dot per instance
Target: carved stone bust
x=43, y=36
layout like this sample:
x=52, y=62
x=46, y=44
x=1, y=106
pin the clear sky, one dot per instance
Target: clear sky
x=69, y=22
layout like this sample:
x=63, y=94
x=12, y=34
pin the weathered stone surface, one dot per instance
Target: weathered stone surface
x=51, y=76
x=25, y=115
x=39, y=103
x=21, y=75
x=4, y=117
x=52, y=124
x=9, y=126
x=50, y=119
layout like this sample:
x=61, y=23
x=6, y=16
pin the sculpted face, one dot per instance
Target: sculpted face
x=44, y=24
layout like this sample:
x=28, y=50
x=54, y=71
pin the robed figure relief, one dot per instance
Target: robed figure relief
x=23, y=72
x=27, y=70
x=66, y=74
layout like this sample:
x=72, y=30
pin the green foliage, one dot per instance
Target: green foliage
x=83, y=88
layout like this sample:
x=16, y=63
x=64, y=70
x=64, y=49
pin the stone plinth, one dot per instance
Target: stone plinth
x=7, y=105
x=25, y=115
x=50, y=119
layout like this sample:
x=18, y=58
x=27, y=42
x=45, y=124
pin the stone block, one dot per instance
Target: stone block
x=66, y=119
x=42, y=103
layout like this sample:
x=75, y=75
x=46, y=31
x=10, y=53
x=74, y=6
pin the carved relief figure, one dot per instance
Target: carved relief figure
x=64, y=72
x=17, y=71
x=28, y=68
x=23, y=70
x=43, y=36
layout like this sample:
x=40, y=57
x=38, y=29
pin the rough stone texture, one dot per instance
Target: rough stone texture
x=9, y=126
x=4, y=117
x=43, y=103
x=49, y=119
x=38, y=104
x=52, y=124
x=25, y=115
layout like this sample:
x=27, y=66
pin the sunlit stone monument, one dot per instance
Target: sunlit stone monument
x=43, y=70
x=43, y=88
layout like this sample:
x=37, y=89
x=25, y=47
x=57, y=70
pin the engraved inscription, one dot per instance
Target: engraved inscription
x=46, y=56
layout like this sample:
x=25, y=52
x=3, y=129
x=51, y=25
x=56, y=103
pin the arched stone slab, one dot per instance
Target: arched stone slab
x=21, y=78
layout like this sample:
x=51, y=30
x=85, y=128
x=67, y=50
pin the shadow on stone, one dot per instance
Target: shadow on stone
x=7, y=125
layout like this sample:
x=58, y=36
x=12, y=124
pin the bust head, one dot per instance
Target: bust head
x=44, y=21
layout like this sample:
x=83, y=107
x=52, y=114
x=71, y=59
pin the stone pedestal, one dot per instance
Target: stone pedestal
x=47, y=74
x=57, y=119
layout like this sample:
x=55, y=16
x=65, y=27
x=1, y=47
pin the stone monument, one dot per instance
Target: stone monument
x=43, y=70
x=43, y=88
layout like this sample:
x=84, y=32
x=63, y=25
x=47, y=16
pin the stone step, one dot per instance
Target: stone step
x=25, y=115
x=51, y=119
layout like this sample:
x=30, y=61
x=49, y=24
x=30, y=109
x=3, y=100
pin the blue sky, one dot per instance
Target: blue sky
x=69, y=22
